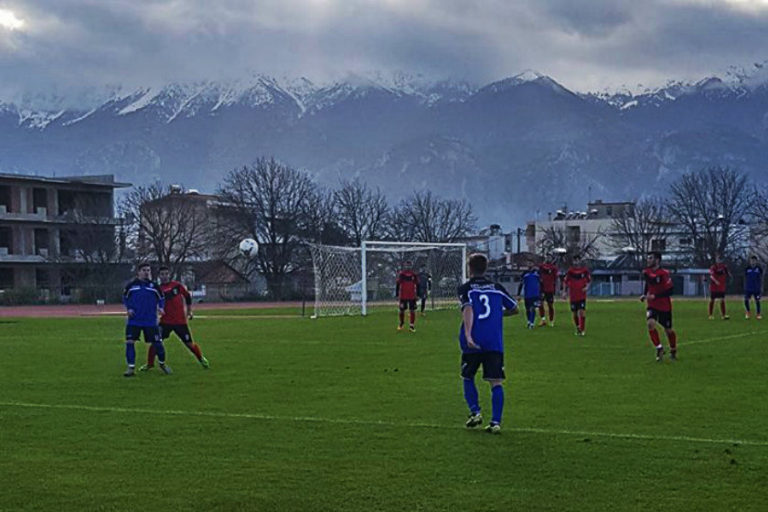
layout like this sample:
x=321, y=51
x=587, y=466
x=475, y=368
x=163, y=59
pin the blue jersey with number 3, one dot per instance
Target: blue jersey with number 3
x=488, y=300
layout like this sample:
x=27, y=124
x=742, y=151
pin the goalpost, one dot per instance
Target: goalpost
x=341, y=290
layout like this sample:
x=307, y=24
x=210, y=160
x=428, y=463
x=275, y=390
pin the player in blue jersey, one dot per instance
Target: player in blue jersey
x=481, y=338
x=531, y=282
x=143, y=303
x=753, y=286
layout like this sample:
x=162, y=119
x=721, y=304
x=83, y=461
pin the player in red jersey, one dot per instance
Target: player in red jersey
x=658, y=289
x=549, y=274
x=406, y=291
x=718, y=279
x=577, y=281
x=177, y=299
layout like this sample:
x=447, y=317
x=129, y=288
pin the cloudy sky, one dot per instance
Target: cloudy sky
x=586, y=45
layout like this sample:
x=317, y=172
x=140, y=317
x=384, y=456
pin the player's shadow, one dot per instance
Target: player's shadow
x=9, y=321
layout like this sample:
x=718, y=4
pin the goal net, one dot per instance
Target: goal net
x=341, y=290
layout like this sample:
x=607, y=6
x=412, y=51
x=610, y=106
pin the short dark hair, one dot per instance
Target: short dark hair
x=656, y=254
x=164, y=267
x=140, y=265
x=753, y=257
x=478, y=263
x=577, y=256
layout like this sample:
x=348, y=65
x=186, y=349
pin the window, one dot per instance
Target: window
x=6, y=278
x=5, y=198
x=685, y=241
x=41, y=241
x=42, y=278
x=39, y=198
x=574, y=234
x=659, y=244
x=6, y=241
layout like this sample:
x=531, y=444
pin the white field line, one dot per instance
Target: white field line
x=719, y=338
x=352, y=421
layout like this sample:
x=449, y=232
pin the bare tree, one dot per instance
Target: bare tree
x=424, y=217
x=95, y=238
x=169, y=226
x=712, y=206
x=556, y=238
x=267, y=201
x=321, y=219
x=362, y=212
x=640, y=226
x=759, y=225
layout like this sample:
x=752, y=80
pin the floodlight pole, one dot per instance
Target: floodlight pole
x=364, y=281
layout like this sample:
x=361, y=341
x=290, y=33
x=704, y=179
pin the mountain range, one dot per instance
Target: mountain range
x=515, y=148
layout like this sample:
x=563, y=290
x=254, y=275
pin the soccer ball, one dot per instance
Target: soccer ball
x=249, y=248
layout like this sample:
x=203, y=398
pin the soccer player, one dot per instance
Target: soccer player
x=658, y=290
x=425, y=286
x=481, y=338
x=718, y=279
x=405, y=289
x=576, y=282
x=143, y=301
x=753, y=286
x=175, y=317
x=549, y=274
x=530, y=281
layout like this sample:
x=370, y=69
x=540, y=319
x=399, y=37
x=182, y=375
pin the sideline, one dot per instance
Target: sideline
x=352, y=421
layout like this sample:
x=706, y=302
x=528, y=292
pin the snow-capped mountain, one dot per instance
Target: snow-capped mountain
x=514, y=146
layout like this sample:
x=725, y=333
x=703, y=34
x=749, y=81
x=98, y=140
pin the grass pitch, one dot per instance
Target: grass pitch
x=347, y=414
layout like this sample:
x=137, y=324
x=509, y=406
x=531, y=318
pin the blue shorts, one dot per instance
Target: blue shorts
x=133, y=333
x=748, y=295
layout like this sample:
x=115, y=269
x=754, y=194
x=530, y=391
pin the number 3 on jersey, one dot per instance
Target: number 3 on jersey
x=486, y=303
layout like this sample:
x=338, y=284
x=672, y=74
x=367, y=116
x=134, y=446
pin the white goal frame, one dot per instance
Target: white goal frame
x=379, y=246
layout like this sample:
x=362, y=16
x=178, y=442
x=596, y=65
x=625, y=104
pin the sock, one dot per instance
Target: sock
x=497, y=403
x=576, y=320
x=130, y=354
x=654, y=337
x=722, y=307
x=541, y=310
x=746, y=305
x=195, y=349
x=757, y=305
x=551, y=311
x=151, y=352
x=582, y=323
x=711, y=306
x=470, y=395
x=160, y=350
x=672, y=338
x=532, y=315
x=423, y=304
x=413, y=317
x=402, y=317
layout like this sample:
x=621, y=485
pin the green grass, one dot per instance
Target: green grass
x=346, y=414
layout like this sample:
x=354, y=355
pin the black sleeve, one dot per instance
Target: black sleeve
x=463, y=293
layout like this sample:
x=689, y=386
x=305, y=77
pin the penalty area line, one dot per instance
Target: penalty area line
x=381, y=423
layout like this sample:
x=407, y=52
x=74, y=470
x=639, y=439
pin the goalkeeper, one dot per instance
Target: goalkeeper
x=424, y=287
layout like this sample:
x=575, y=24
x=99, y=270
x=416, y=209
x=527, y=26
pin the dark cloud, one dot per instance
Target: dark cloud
x=68, y=44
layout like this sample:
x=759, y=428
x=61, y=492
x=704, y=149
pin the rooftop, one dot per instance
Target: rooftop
x=97, y=180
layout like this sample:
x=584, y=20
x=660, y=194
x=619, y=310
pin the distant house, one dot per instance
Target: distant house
x=210, y=277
